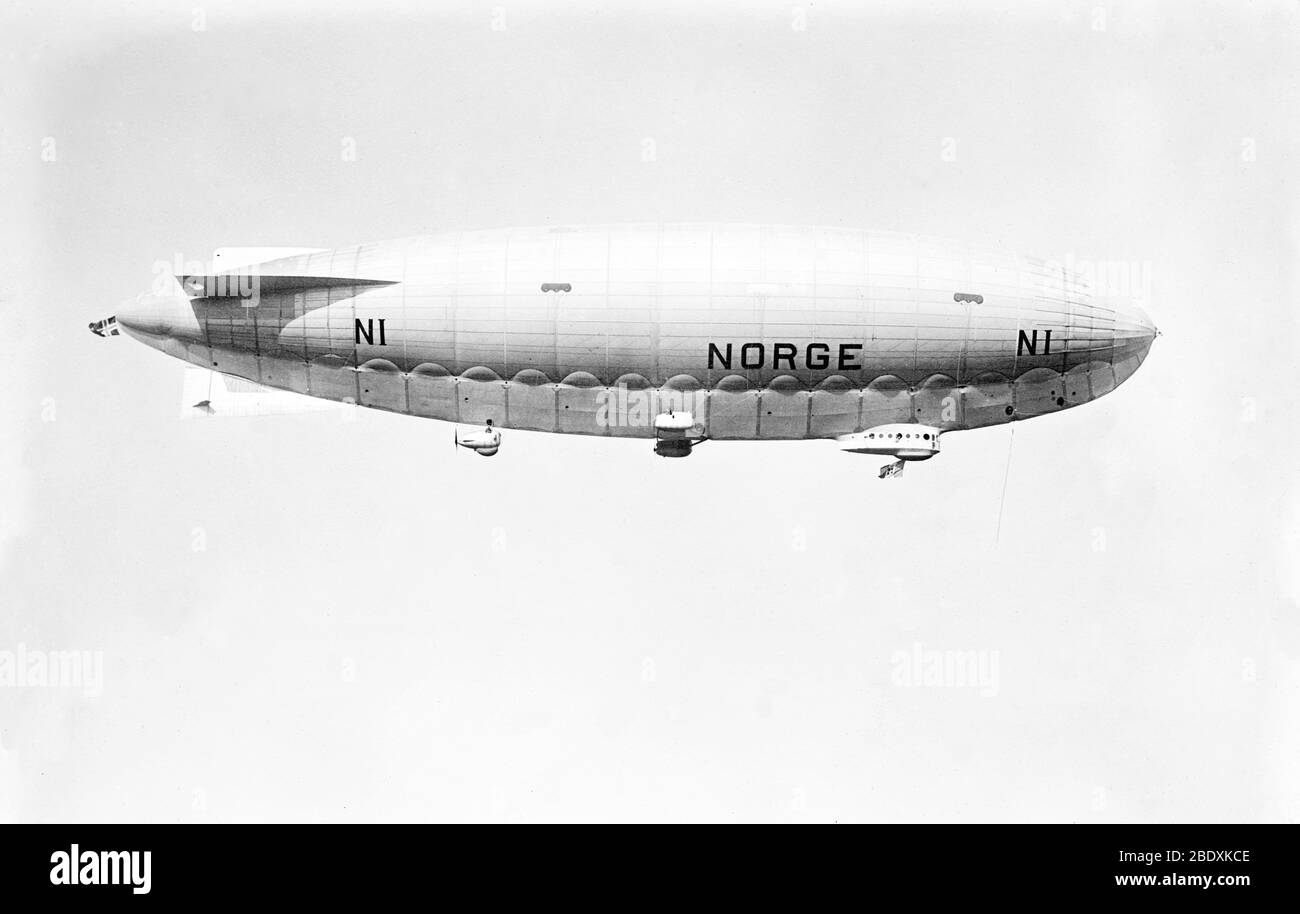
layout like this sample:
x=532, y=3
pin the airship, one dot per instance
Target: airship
x=881, y=342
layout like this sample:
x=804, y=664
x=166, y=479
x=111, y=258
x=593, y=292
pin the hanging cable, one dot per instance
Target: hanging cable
x=1002, y=502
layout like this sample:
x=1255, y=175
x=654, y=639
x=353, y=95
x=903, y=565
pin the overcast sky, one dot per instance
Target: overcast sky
x=303, y=617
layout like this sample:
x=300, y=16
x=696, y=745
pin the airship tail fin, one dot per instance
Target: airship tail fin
x=238, y=284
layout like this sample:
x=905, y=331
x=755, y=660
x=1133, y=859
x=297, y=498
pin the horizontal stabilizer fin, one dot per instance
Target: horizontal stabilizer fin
x=237, y=284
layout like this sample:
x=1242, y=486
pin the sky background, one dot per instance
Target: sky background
x=336, y=617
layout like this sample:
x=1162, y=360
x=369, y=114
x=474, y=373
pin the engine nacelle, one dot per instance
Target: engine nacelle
x=484, y=442
x=676, y=434
x=674, y=447
x=904, y=440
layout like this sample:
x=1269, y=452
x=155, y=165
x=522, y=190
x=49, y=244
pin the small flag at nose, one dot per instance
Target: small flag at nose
x=106, y=327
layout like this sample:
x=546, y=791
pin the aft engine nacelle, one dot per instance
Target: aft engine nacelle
x=484, y=442
x=904, y=440
x=676, y=434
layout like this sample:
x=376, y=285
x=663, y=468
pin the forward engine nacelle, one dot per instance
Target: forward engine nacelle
x=906, y=441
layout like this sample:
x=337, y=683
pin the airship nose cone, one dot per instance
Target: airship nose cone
x=1134, y=328
x=1134, y=332
x=153, y=314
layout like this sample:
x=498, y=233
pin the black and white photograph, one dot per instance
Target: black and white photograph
x=861, y=413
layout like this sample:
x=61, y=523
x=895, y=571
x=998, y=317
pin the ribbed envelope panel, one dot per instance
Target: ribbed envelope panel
x=757, y=331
